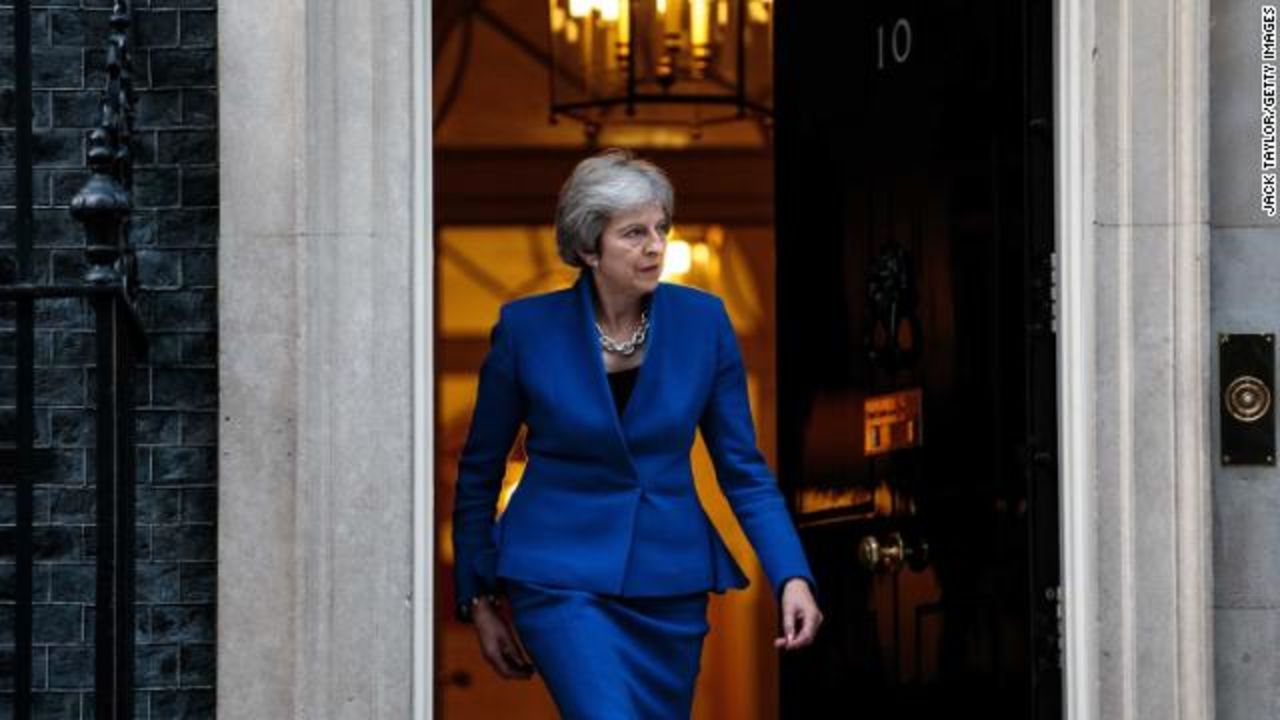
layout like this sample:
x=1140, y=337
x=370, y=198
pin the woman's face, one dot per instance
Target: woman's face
x=632, y=248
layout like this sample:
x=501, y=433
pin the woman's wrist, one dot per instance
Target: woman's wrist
x=791, y=579
x=467, y=608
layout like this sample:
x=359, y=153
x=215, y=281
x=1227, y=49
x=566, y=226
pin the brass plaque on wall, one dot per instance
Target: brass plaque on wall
x=893, y=421
x=1246, y=398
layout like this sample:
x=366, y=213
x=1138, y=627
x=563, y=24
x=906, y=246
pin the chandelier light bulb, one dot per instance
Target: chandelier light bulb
x=700, y=22
x=671, y=15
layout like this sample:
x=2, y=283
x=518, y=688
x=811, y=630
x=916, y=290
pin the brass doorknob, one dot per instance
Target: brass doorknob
x=891, y=553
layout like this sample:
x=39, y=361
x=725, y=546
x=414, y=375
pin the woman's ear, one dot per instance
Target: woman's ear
x=589, y=258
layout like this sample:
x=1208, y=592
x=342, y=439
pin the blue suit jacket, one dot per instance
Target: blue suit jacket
x=608, y=503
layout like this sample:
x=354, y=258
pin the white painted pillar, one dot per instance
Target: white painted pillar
x=1132, y=133
x=316, y=308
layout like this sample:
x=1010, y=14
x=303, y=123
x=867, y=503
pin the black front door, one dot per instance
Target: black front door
x=916, y=354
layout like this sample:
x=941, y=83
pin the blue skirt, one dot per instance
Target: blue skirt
x=609, y=656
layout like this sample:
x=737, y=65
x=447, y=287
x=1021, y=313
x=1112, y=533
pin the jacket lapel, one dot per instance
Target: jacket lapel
x=600, y=390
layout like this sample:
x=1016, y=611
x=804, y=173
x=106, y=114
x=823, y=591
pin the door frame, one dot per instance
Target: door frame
x=1072, y=213
x=1134, y=344
x=423, y=400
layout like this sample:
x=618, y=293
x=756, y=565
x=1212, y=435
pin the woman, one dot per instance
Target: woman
x=604, y=551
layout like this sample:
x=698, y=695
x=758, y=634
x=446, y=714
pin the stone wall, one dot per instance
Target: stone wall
x=1245, y=259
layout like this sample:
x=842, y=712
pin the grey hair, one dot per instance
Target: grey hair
x=612, y=181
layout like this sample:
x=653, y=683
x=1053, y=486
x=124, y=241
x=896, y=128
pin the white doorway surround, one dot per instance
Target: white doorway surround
x=320, y=360
x=1131, y=133
x=325, y=602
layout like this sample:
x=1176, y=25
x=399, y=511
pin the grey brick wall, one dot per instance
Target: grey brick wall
x=174, y=231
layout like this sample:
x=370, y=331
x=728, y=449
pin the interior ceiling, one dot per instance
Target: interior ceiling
x=491, y=86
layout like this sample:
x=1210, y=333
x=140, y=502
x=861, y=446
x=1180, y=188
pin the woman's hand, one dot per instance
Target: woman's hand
x=800, y=615
x=500, y=644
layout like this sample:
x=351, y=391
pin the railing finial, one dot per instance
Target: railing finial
x=103, y=204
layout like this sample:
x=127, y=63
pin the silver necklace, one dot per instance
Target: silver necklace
x=628, y=347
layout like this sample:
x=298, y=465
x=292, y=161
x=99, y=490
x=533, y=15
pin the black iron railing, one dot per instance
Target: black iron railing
x=109, y=286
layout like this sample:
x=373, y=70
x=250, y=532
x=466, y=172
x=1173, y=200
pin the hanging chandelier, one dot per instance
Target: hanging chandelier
x=676, y=64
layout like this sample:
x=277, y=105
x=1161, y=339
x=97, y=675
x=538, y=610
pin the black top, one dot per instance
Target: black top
x=622, y=382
